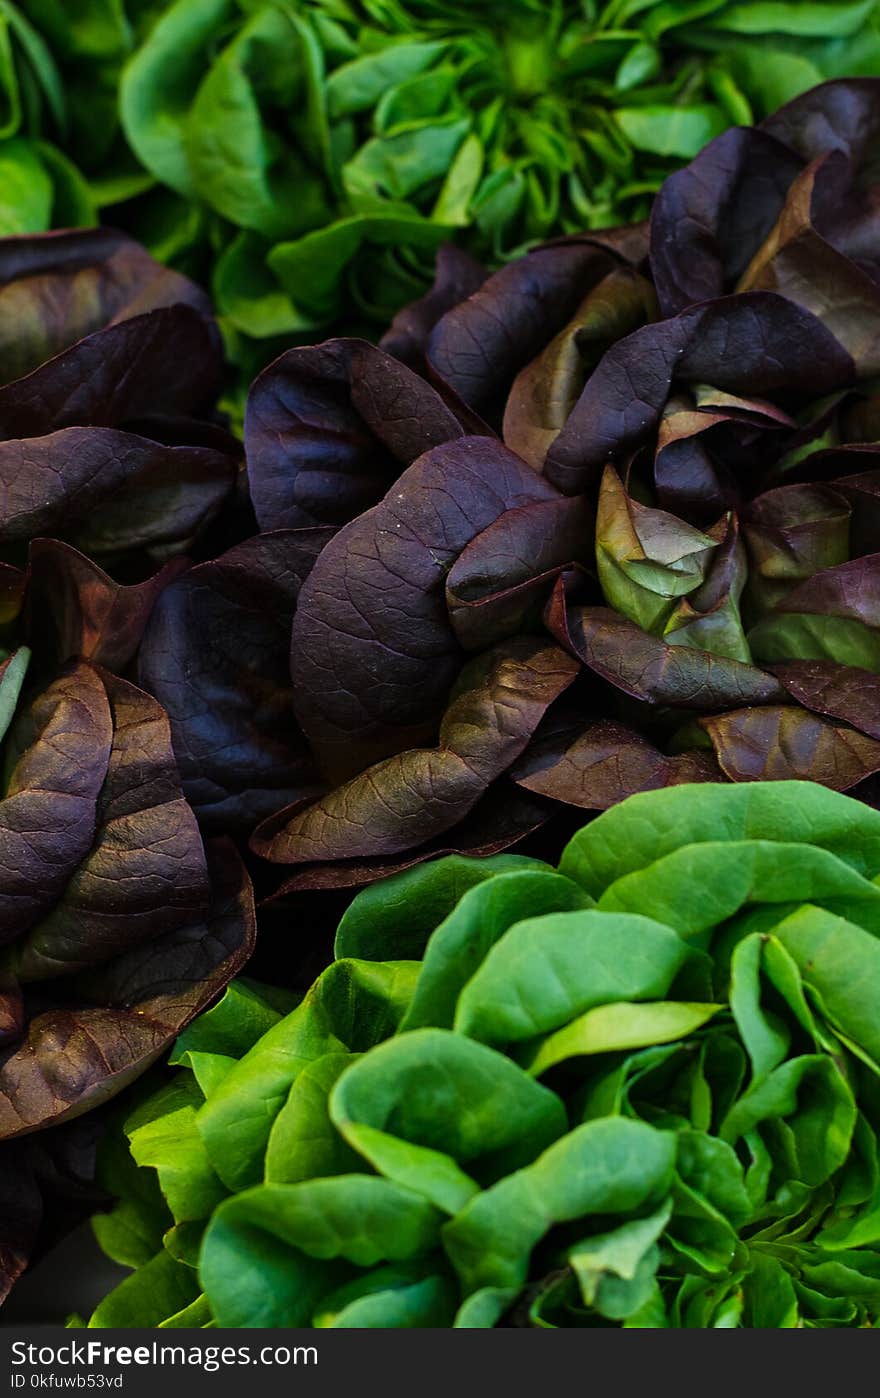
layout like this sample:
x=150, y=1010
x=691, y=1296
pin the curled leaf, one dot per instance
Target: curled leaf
x=418, y=794
x=782, y=743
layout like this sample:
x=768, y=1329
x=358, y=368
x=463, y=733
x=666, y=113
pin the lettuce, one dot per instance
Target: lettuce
x=310, y=157
x=344, y=143
x=637, y=1090
x=606, y=523
x=117, y=922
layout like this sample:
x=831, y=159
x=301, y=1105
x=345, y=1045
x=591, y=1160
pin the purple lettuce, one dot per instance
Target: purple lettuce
x=117, y=922
x=604, y=521
x=109, y=368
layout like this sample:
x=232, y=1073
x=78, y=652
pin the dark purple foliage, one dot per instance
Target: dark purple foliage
x=117, y=923
x=609, y=521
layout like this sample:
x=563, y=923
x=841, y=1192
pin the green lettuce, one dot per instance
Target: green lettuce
x=63, y=156
x=638, y=1090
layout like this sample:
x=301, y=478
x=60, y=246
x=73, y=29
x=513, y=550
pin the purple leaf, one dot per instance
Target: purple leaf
x=106, y=490
x=167, y=361
x=145, y=872
x=597, y=764
x=792, y=533
x=480, y=345
x=457, y=277
x=417, y=795
x=649, y=669
x=842, y=115
x=546, y=390
x=217, y=656
x=711, y=216
x=57, y=288
x=500, y=819
x=373, y=654
x=75, y=610
x=329, y=428
x=502, y=578
x=60, y=752
x=120, y=1018
x=756, y=342
x=838, y=691
x=781, y=743
x=795, y=261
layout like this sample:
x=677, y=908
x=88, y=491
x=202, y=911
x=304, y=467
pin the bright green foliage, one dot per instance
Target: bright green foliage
x=63, y=155
x=309, y=156
x=642, y=1091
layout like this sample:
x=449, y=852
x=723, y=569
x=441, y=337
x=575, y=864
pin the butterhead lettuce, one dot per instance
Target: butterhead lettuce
x=117, y=922
x=637, y=1090
x=604, y=522
x=308, y=156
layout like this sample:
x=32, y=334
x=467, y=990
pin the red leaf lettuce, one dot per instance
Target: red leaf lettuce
x=609, y=522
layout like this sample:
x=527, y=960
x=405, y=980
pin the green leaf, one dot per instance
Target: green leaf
x=810, y=1110
x=25, y=189
x=483, y=1308
x=671, y=13
x=712, y=1169
x=841, y=963
x=248, y=295
x=547, y=970
x=772, y=1297
x=765, y=1036
x=351, y=1006
x=605, y=1167
x=399, y=165
x=428, y=95
x=793, y=636
x=311, y=269
x=699, y=1234
x=697, y=887
x=615, y=1270
x=195, y=1316
x=83, y=28
x=172, y=1146
x=646, y=558
x=41, y=62
x=453, y=205
x=157, y=86
x=669, y=130
x=10, y=91
x=858, y=1230
x=357, y=86
x=271, y=1254
x=647, y=826
x=451, y=1101
x=641, y=64
x=462, y=940
x=242, y=1015
x=131, y=1232
x=159, y=1289
x=239, y=165
x=12, y=673
x=399, y=1297
x=615, y=1028
x=303, y=1143
x=857, y=1275
x=801, y=17
x=729, y=96
x=396, y=917
x=184, y=1240
x=73, y=205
